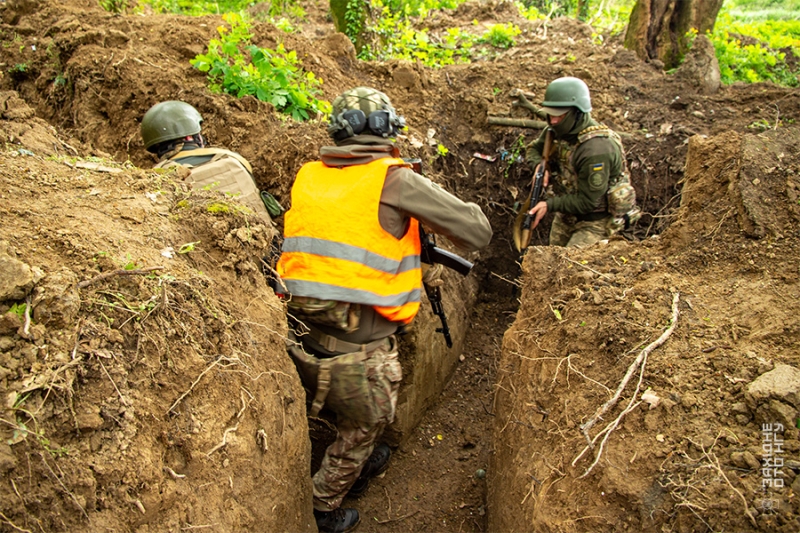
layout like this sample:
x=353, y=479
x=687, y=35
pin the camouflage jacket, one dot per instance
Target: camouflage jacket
x=585, y=164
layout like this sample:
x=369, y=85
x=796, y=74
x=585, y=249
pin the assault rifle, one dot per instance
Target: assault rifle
x=431, y=254
x=524, y=238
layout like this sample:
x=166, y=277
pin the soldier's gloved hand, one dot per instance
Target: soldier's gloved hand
x=432, y=274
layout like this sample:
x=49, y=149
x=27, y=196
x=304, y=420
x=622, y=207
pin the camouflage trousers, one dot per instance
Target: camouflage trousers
x=363, y=394
x=569, y=232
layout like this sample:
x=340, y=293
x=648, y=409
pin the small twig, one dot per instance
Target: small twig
x=118, y=272
x=409, y=515
x=713, y=233
x=121, y=397
x=27, y=326
x=388, y=499
x=203, y=373
x=173, y=473
x=12, y=524
x=187, y=528
x=74, y=499
x=244, y=403
x=716, y=465
x=587, y=268
x=261, y=438
x=515, y=283
x=147, y=63
x=224, y=439
x=777, y=119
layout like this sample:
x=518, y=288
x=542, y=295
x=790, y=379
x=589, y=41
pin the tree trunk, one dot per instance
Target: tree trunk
x=349, y=17
x=657, y=28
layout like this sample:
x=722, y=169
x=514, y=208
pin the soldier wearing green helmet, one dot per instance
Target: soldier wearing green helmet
x=593, y=198
x=351, y=263
x=171, y=130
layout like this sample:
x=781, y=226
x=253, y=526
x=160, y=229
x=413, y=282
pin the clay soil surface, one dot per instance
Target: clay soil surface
x=147, y=388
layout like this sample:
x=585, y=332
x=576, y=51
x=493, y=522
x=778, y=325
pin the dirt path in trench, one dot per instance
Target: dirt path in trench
x=437, y=478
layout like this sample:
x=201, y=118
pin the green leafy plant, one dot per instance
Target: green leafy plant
x=442, y=150
x=528, y=11
x=270, y=75
x=353, y=20
x=114, y=6
x=285, y=25
x=515, y=155
x=19, y=68
x=19, y=310
x=756, y=51
x=501, y=35
x=188, y=247
x=196, y=8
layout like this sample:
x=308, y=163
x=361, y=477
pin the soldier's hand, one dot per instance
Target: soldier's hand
x=546, y=179
x=432, y=274
x=538, y=212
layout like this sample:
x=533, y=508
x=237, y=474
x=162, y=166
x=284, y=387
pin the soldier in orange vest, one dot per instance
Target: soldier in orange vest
x=350, y=265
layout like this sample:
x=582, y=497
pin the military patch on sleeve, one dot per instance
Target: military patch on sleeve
x=596, y=181
x=597, y=167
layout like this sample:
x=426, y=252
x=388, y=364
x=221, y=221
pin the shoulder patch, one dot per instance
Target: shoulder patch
x=597, y=167
x=596, y=181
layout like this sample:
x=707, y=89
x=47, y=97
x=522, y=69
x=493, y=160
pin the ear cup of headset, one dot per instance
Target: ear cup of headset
x=379, y=123
x=347, y=124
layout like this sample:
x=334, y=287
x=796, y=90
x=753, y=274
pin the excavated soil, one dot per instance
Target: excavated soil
x=147, y=388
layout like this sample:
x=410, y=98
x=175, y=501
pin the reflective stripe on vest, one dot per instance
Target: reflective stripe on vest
x=334, y=247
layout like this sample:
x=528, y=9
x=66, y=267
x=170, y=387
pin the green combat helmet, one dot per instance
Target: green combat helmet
x=169, y=120
x=564, y=93
x=364, y=110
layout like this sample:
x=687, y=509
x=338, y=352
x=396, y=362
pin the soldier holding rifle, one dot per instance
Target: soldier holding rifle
x=593, y=197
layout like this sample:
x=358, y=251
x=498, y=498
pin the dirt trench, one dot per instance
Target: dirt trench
x=493, y=451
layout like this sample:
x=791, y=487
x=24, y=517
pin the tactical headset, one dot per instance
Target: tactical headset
x=382, y=123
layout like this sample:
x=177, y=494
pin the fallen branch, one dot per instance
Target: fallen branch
x=118, y=272
x=641, y=360
x=523, y=102
x=516, y=122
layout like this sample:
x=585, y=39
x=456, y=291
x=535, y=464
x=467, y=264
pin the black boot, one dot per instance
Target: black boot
x=336, y=521
x=376, y=465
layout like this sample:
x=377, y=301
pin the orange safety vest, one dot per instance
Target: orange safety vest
x=334, y=247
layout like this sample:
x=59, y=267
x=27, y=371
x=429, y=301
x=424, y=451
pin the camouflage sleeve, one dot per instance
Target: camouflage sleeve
x=463, y=223
x=594, y=163
x=534, y=153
